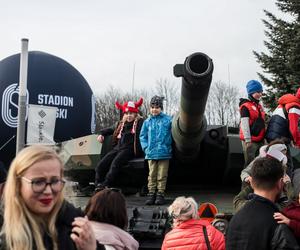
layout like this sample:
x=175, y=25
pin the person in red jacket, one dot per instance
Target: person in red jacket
x=189, y=232
x=252, y=125
x=291, y=217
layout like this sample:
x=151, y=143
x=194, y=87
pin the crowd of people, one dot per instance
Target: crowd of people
x=36, y=215
x=267, y=207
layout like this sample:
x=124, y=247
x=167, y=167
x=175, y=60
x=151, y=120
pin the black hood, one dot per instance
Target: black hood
x=243, y=100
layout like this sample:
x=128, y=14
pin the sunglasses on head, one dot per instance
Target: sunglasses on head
x=98, y=189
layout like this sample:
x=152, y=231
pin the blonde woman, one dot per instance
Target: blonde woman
x=189, y=232
x=36, y=216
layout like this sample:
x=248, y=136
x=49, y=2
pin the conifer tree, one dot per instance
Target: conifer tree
x=281, y=65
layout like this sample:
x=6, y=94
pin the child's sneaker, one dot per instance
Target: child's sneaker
x=150, y=199
x=160, y=199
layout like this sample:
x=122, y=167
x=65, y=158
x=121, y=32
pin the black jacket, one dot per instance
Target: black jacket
x=278, y=127
x=253, y=227
x=64, y=221
x=128, y=140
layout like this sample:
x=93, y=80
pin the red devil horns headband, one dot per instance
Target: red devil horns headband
x=139, y=103
x=130, y=106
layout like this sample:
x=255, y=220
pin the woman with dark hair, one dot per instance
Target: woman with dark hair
x=107, y=213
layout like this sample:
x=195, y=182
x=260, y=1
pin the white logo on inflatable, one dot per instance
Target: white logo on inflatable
x=8, y=105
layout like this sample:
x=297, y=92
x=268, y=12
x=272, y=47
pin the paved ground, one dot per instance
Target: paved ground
x=221, y=197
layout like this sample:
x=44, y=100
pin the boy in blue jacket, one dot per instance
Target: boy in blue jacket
x=156, y=142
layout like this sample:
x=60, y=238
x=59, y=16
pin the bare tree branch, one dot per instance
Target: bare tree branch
x=170, y=91
x=222, y=105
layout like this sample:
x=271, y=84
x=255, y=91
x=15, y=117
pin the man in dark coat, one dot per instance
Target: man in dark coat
x=253, y=227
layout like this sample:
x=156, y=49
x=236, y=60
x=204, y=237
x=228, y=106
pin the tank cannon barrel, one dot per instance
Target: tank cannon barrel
x=189, y=125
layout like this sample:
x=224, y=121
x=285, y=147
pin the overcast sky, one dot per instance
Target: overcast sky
x=105, y=39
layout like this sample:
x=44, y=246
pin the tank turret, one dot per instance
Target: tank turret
x=189, y=125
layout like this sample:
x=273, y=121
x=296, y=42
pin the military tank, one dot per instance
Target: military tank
x=202, y=154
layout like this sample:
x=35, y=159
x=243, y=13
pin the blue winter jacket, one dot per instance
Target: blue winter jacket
x=155, y=137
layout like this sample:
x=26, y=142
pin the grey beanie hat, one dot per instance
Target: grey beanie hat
x=157, y=101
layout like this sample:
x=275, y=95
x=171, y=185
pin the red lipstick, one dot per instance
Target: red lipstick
x=45, y=201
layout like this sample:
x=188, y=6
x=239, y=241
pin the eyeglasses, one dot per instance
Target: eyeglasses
x=39, y=185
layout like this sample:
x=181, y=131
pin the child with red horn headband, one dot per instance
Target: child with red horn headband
x=126, y=144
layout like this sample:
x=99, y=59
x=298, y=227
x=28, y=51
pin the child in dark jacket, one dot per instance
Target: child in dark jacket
x=126, y=144
x=156, y=142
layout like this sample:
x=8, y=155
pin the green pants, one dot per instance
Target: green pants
x=158, y=174
x=251, y=152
